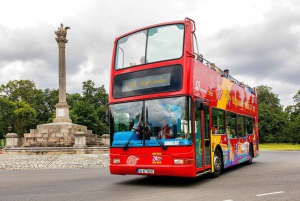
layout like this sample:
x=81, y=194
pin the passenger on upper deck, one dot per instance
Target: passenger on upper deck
x=132, y=64
x=248, y=88
x=242, y=85
x=212, y=66
x=142, y=60
x=226, y=71
x=200, y=58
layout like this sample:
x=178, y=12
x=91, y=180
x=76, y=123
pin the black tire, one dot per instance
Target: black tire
x=218, y=164
x=250, y=155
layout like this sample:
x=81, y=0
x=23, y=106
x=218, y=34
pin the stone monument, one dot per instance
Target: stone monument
x=62, y=108
x=61, y=132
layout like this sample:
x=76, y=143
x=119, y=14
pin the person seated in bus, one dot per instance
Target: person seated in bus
x=165, y=132
x=242, y=85
x=226, y=73
x=249, y=89
x=200, y=58
x=232, y=133
x=212, y=66
x=240, y=130
x=142, y=59
x=214, y=129
x=132, y=63
x=138, y=128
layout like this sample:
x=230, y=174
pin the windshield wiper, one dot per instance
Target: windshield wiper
x=126, y=145
x=152, y=132
x=156, y=137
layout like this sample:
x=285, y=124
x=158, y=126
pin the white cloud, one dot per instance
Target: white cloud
x=257, y=40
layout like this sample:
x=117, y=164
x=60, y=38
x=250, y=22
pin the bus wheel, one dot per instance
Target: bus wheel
x=250, y=155
x=218, y=164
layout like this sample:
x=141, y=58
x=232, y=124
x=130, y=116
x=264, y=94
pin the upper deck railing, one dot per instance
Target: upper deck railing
x=212, y=66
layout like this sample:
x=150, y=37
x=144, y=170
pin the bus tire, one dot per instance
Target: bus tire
x=218, y=164
x=250, y=155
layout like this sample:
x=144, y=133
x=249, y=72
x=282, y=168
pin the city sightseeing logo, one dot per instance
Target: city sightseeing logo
x=219, y=93
x=132, y=160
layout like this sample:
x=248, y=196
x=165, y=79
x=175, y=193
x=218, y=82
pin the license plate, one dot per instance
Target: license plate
x=149, y=171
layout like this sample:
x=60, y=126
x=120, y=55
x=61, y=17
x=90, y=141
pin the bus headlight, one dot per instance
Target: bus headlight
x=178, y=161
x=183, y=161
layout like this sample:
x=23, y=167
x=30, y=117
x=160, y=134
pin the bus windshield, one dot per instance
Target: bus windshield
x=150, y=45
x=155, y=122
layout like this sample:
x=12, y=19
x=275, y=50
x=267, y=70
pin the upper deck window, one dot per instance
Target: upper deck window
x=150, y=45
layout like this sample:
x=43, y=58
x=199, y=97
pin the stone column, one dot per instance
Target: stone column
x=62, y=108
x=80, y=139
x=12, y=140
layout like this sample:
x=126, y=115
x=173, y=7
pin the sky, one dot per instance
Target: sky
x=257, y=40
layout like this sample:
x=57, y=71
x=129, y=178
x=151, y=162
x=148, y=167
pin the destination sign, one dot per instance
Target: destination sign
x=146, y=82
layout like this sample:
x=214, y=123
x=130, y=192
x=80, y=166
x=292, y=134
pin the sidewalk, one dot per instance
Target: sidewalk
x=27, y=162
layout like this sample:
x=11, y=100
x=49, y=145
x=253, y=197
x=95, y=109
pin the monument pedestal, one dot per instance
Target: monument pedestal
x=80, y=139
x=12, y=140
x=62, y=113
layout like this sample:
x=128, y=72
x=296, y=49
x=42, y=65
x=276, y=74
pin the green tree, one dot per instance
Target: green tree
x=273, y=122
x=20, y=98
x=293, y=112
x=6, y=115
x=296, y=97
x=98, y=97
x=85, y=114
x=24, y=117
x=42, y=101
x=19, y=90
x=50, y=99
x=72, y=99
x=295, y=130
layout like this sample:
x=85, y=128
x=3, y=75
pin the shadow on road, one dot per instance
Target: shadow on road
x=159, y=181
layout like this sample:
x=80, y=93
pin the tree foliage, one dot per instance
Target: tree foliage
x=23, y=106
x=273, y=122
x=90, y=109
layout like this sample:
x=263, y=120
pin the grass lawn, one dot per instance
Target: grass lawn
x=280, y=147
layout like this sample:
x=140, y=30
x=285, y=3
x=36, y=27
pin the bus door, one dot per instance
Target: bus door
x=202, y=119
x=207, y=143
x=242, y=145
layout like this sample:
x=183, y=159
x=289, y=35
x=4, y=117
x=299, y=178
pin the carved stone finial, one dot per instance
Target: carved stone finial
x=61, y=34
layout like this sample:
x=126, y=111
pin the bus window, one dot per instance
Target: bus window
x=165, y=42
x=150, y=45
x=241, y=126
x=176, y=113
x=218, y=124
x=130, y=49
x=231, y=124
x=165, y=120
x=249, y=125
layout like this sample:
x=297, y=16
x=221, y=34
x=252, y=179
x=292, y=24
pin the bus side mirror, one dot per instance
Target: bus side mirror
x=106, y=116
x=199, y=104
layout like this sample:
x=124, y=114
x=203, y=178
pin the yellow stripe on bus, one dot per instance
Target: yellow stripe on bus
x=226, y=87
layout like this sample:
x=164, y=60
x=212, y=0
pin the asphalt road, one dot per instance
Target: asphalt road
x=275, y=175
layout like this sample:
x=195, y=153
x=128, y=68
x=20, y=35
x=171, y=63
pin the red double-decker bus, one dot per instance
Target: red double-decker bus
x=172, y=112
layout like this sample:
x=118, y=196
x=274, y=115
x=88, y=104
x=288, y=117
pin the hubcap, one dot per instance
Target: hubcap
x=217, y=162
